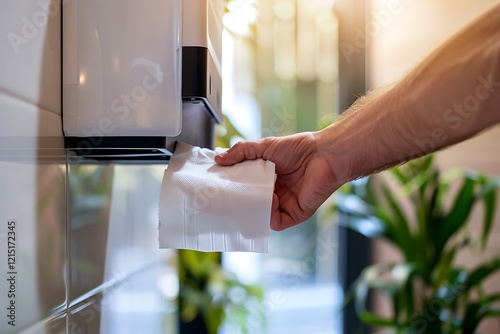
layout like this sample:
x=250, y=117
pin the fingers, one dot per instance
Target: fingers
x=281, y=219
x=241, y=151
x=275, y=212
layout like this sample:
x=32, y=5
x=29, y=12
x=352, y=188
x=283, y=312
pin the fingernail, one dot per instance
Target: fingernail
x=222, y=155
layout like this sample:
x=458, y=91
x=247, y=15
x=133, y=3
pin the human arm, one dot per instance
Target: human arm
x=451, y=96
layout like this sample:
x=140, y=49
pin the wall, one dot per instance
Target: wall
x=78, y=240
x=401, y=41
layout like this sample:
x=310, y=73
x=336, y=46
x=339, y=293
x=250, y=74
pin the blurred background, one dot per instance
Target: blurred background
x=280, y=75
x=294, y=65
x=88, y=257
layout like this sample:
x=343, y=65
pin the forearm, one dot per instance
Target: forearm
x=452, y=95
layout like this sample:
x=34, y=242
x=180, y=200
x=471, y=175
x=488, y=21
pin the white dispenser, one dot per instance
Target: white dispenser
x=128, y=91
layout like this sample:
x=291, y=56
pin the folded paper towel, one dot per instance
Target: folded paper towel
x=207, y=207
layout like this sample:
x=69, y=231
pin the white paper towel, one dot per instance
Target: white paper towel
x=207, y=207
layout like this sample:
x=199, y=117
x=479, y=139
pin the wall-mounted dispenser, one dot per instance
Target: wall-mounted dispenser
x=140, y=75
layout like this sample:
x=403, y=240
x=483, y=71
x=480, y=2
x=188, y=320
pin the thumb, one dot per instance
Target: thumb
x=241, y=151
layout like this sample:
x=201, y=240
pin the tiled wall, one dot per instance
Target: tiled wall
x=84, y=258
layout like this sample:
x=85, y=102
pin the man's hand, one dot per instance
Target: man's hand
x=408, y=120
x=304, y=177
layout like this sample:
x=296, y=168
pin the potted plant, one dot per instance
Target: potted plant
x=425, y=215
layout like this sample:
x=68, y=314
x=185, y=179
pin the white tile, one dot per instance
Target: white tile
x=28, y=133
x=30, y=60
x=115, y=207
x=32, y=200
x=21, y=118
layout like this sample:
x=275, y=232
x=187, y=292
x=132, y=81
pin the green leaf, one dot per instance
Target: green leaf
x=400, y=223
x=427, y=163
x=372, y=319
x=432, y=219
x=491, y=313
x=491, y=298
x=350, y=295
x=474, y=314
x=480, y=273
x=489, y=201
x=365, y=219
x=360, y=216
x=371, y=277
x=255, y=290
x=488, y=194
x=363, y=188
x=369, y=193
x=381, y=215
x=458, y=214
x=213, y=316
x=399, y=175
x=416, y=184
x=432, y=205
x=411, y=172
x=443, y=186
x=392, y=281
x=442, y=269
x=410, y=302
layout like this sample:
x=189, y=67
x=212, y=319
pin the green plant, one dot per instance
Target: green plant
x=213, y=293
x=425, y=215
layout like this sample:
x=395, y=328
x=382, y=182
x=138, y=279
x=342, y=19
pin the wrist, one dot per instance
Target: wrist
x=332, y=147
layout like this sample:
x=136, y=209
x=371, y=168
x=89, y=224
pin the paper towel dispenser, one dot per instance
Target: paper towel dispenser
x=138, y=76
